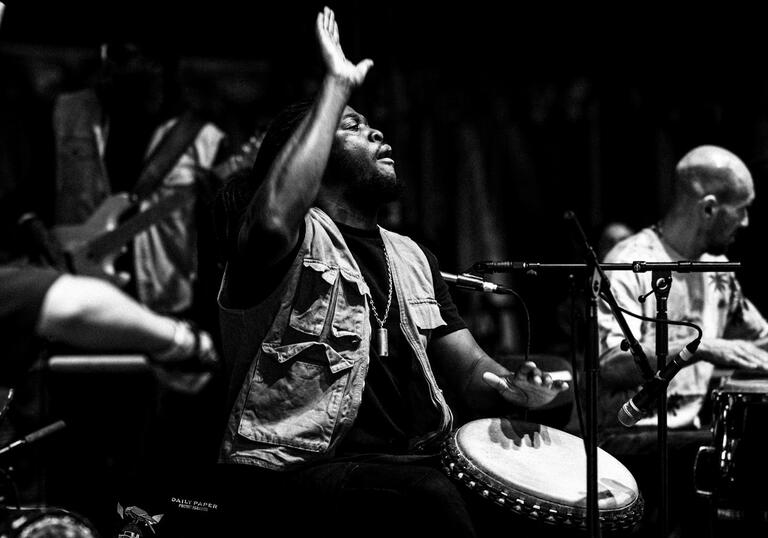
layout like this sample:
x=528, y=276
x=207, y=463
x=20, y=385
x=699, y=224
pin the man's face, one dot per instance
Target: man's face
x=362, y=161
x=728, y=219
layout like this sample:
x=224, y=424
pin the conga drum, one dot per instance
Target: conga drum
x=733, y=468
x=539, y=473
x=44, y=522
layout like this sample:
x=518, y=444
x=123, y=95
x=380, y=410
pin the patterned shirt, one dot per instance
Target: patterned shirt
x=711, y=300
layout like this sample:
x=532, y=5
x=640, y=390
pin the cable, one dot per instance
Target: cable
x=657, y=320
x=527, y=350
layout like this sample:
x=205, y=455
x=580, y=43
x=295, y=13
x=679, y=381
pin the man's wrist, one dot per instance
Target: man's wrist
x=339, y=83
x=182, y=346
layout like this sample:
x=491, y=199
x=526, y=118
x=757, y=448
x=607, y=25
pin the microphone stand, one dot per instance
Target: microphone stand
x=599, y=285
x=661, y=282
x=592, y=374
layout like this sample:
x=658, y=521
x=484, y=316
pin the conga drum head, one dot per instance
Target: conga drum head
x=540, y=472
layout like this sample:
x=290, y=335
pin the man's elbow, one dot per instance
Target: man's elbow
x=268, y=233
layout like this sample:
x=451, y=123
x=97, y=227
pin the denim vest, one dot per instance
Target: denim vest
x=307, y=346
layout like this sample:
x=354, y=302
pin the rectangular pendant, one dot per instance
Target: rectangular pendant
x=382, y=342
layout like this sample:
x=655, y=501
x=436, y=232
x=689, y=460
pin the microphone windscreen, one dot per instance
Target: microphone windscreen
x=629, y=414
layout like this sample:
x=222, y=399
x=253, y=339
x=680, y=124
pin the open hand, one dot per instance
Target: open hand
x=527, y=387
x=336, y=63
x=740, y=354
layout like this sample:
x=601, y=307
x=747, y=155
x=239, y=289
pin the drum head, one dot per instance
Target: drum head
x=521, y=464
x=746, y=386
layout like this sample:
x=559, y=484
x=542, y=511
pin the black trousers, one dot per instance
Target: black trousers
x=372, y=497
x=369, y=497
x=345, y=498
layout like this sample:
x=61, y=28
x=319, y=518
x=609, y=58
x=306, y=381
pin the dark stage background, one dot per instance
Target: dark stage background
x=501, y=118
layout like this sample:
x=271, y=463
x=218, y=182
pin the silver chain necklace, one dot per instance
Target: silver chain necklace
x=382, y=338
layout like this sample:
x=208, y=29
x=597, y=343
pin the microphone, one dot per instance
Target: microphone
x=32, y=437
x=500, y=267
x=468, y=281
x=638, y=406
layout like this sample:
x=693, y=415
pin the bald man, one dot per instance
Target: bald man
x=712, y=193
x=713, y=190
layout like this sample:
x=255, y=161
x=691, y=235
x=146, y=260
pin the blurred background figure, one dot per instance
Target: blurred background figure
x=129, y=133
x=612, y=233
x=130, y=153
x=41, y=308
x=713, y=196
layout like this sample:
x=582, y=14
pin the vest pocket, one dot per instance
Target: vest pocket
x=426, y=316
x=313, y=298
x=426, y=313
x=328, y=308
x=294, y=398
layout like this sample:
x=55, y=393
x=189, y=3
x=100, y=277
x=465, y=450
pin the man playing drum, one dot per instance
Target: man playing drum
x=333, y=326
x=713, y=190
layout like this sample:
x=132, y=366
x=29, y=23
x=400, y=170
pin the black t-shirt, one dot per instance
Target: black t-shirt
x=395, y=406
x=22, y=291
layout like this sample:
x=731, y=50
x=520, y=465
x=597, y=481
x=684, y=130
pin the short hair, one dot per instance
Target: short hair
x=233, y=199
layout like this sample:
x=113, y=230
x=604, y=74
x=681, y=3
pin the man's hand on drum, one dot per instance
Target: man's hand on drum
x=734, y=354
x=527, y=387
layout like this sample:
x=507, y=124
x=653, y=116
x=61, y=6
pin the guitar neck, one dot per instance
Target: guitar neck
x=115, y=239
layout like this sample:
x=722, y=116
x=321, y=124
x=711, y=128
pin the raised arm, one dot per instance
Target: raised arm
x=273, y=218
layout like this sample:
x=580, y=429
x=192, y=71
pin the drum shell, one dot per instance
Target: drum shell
x=740, y=415
x=516, y=496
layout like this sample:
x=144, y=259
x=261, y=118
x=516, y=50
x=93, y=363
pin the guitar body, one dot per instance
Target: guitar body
x=92, y=247
x=76, y=241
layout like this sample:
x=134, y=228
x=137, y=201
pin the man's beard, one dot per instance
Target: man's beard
x=717, y=250
x=719, y=246
x=378, y=188
x=364, y=185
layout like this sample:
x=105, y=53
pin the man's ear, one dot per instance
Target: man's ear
x=708, y=204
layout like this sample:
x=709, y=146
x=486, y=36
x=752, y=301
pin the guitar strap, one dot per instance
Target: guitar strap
x=166, y=153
